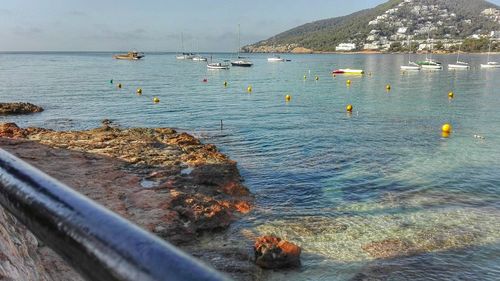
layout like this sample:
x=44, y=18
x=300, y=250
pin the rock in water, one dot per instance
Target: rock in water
x=18, y=108
x=273, y=252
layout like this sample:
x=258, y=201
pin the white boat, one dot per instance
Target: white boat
x=348, y=71
x=411, y=65
x=217, y=65
x=432, y=66
x=199, y=58
x=429, y=63
x=275, y=58
x=239, y=61
x=490, y=64
x=459, y=64
x=184, y=55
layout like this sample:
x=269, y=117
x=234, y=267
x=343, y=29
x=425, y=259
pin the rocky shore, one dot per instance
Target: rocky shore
x=167, y=182
x=13, y=108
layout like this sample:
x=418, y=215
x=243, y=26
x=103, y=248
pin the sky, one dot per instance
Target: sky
x=157, y=25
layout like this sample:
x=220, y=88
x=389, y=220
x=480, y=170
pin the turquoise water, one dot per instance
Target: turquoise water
x=330, y=181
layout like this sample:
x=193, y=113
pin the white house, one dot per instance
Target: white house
x=345, y=47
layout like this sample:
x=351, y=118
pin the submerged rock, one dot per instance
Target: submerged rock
x=273, y=252
x=12, y=108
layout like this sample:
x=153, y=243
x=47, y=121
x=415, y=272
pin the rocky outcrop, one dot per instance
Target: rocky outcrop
x=273, y=252
x=12, y=108
x=165, y=181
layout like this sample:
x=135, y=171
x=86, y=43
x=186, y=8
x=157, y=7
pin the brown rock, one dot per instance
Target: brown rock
x=12, y=108
x=273, y=252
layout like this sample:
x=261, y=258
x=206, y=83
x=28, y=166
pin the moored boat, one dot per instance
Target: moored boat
x=275, y=58
x=239, y=61
x=217, y=65
x=490, y=64
x=185, y=56
x=133, y=55
x=411, y=65
x=199, y=58
x=459, y=65
x=348, y=71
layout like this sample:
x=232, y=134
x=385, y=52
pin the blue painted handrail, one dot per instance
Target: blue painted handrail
x=96, y=242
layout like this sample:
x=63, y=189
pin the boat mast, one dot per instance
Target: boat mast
x=182, y=42
x=239, y=41
x=489, y=51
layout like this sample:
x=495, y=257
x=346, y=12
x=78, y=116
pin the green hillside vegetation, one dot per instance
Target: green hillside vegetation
x=325, y=35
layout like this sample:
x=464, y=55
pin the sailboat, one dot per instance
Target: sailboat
x=411, y=65
x=184, y=55
x=240, y=61
x=429, y=63
x=459, y=64
x=490, y=64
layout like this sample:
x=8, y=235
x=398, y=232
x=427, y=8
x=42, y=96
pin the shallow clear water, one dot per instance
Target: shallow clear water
x=330, y=181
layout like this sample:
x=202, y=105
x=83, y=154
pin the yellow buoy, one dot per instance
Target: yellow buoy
x=249, y=89
x=225, y=83
x=348, y=82
x=446, y=128
x=388, y=87
x=451, y=95
x=139, y=91
x=305, y=77
x=288, y=98
x=348, y=108
x=119, y=85
x=316, y=78
x=156, y=100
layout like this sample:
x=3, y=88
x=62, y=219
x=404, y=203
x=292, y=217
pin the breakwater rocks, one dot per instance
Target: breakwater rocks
x=14, y=108
x=166, y=181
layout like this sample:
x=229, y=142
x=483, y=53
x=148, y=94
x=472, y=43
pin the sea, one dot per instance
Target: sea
x=378, y=193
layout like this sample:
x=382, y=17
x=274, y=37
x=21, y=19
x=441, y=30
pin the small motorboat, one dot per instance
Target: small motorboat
x=241, y=62
x=275, y=59
x=348, y=71
x=199, y=58
x=217, y=65
x=134, y=55
x=459, y=65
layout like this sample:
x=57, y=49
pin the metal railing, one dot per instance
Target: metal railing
x=96, y=242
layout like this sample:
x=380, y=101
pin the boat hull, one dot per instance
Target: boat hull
x=241, y=64
x=433, y=67
x=458, y=66
x=348, y=71
x=490, y=65
x=217, y=66
x=275, y=60
x=410, y=67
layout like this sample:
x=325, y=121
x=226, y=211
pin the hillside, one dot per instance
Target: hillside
x=394, y=21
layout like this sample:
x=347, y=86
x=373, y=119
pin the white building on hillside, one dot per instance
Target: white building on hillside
x=345, y=47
